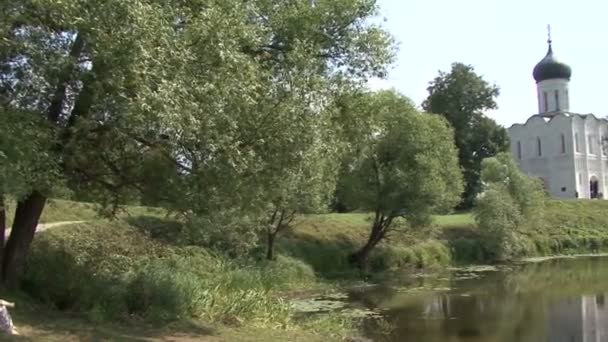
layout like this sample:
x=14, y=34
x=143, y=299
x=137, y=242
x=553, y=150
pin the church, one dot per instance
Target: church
x=564, y=149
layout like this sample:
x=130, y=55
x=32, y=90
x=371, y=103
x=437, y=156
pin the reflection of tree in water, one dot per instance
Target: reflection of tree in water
x=501, y=306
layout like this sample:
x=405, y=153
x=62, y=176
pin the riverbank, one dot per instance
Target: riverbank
x=137, y=271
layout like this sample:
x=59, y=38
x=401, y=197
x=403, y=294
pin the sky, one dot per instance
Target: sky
x=503, y=40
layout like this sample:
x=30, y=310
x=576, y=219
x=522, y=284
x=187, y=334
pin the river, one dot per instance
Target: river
x=561, y=300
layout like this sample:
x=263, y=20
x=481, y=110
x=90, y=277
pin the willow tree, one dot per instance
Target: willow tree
x=405, y=165
x=193, y=103
x=98, y=85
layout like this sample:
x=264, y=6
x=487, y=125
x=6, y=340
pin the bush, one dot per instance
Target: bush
x=466, y=250
x=163, y=289
x=509, y=208
x=79, y=269
x=228, y=234
x=85, y=268
x=426, y=254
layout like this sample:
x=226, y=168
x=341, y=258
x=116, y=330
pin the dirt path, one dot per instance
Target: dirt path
x=44, y=226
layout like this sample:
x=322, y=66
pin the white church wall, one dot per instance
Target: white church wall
x=553, y=95
x=590, y=158
x=555, y=162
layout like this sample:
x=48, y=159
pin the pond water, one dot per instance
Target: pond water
x=561, y=300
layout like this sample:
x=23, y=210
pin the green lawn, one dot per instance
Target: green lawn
x=58, y=210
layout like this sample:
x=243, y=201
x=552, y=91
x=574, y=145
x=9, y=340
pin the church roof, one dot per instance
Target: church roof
x=560, y=114
x=550, y=68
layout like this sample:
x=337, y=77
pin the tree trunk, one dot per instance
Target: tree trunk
x=360, y=257
x=27, y=215
x=270, y=247
x=379, y=228
x=2, y=226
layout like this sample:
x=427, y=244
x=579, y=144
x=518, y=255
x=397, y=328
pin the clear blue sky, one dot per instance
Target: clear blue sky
x=503, y=40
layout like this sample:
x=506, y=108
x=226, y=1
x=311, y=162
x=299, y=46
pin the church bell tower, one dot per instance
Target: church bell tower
x=552, y=79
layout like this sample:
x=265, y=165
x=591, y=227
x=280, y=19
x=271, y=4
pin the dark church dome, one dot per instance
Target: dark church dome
x=550, y=68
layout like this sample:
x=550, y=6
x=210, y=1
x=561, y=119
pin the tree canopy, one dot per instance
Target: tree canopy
x=199, y=106
x=462, y=97
x=403, y=164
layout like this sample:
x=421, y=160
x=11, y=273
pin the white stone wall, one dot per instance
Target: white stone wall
x=565, y=171
x=556, y=93
x=554, y=165
x=590, y=160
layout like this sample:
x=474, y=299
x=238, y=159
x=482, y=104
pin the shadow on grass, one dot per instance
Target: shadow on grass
x=328, y=258
x=44, y=325
x=465, y=243
x=165, y=230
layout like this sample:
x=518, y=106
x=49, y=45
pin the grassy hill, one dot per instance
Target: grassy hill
x=138, y=271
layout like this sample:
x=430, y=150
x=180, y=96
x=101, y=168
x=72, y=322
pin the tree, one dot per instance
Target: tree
x=205, y=96
x=403, y=165
x=509, y=207
x=462, y=96
x=72, y=77
x=306, y=189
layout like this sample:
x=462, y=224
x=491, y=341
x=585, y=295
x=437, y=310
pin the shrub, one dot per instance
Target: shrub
x=231, y=235
x=70, y=270
x=426, y=254
x=466, y=250
x=510, y=206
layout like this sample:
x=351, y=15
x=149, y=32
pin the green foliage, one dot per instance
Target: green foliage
x=225, y=232
x=424, y=255
x=199, y=106
x=509, y=208
x=461, y=96
x=468, y=250
x=131, y=274
x=24, y=152
x=404, y=162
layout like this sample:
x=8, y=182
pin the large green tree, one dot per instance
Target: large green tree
x=197, y=104
x=402, y=164
x=462, y=97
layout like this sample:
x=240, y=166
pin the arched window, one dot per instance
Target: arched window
x=556, y=100
x=563, y=142
x=539, y=148
x=518, y=149
x=546, y=101
x=576, y=144
x=590, y=144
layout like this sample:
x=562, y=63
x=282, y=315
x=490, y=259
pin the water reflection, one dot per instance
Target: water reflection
x=557, y=301
x=579, y=319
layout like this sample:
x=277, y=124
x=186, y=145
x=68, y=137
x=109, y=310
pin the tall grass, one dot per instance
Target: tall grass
x=112, y=270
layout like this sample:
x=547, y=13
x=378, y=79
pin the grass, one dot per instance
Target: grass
x=137, y=270
x=58, y=210
x=46, y=325
x=111, y=271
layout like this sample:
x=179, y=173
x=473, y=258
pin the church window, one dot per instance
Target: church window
x=563, y=143
x=576, y=144
x=556, y=100
x=539, y=149
x=546, y=101
x=580, y=179
x=590, y=143
x=518, y=149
